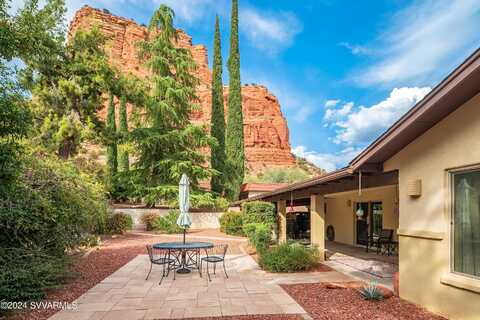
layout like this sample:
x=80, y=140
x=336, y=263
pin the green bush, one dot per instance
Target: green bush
x=52, y=207
x=26, y=273
x=259, y=212
x=289, y=258
x=231, y=222
x=168, y=223
x=371, y=292
x=119, y=222
x=259, y=235
x=148, y=218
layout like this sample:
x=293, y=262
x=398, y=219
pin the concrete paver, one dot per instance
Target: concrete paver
x=249, y=290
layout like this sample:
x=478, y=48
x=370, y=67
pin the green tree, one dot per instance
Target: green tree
x=234, y=138
x=32, y=34
x=112, y=162
x=123, y=160
x=168, y=144
x=217, y=129
x=73, y=86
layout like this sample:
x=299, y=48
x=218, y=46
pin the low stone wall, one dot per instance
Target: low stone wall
x=200, y=220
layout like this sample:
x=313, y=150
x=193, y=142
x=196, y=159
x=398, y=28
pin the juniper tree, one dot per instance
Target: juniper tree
x=123, y=161
x=168, y=144
x=234, y=137
x=217, y=129
x=112, y=164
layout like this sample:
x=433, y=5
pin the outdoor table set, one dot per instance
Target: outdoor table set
x=182, y=257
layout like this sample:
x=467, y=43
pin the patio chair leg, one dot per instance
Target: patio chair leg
x=225, y=269
x=214, y=268
x=149, y=271
x=208, y=273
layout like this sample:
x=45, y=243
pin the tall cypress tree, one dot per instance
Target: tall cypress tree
x=123, y=162
x=112, y=164
x=217, y=129
x=234, y=138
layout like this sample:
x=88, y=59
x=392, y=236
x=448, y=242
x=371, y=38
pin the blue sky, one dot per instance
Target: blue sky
x=343, y=71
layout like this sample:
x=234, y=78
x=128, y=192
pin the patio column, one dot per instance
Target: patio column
x=317, y=223
x=282, y=220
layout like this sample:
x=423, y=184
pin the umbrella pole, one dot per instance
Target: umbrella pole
x=184, y=232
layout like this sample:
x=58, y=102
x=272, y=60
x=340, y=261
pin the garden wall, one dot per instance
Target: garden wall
x=200, y=220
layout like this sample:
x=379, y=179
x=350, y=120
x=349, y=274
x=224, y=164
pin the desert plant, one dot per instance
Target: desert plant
x=168, y=223
x=119, y=222
x=371, y=292
x=231, y=222
x=259, y=212
x=288, y=257
x=148, y=219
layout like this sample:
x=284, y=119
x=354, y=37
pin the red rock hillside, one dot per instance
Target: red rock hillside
x=265, y=128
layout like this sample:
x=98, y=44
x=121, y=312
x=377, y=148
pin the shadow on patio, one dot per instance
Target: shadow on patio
x=356, y=262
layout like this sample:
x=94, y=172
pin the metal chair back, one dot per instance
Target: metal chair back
x=219, y=250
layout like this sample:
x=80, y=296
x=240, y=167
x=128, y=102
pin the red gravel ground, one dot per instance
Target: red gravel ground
x=347, y=304
x=112, y=254
x=254, y=317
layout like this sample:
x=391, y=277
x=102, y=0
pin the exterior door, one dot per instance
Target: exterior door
x=362, y=223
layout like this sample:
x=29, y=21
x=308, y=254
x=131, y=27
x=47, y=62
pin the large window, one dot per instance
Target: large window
x=466, y=222
x=377, y=215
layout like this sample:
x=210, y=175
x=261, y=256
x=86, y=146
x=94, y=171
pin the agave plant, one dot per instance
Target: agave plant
x=371, y=292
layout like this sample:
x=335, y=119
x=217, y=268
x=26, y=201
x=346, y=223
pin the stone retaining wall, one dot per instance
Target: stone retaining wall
x=200, y=220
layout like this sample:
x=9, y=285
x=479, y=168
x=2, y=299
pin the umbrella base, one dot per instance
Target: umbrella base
x=183, y=270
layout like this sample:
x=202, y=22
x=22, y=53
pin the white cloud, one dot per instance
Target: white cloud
x=331, y=103
x=269, y=31
x=422, y=41
x=327, y=161
x=356, y=49
x=362, y=126
x=335, y=114
x=303, y=113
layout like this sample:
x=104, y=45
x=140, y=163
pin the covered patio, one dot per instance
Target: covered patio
x=341, y=211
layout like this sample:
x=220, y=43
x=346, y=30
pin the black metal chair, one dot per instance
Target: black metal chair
x=214, y=255
x=384, y=241
x=159, y=257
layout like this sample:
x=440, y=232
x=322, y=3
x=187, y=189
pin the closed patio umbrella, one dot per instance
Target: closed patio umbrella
x=184, y=220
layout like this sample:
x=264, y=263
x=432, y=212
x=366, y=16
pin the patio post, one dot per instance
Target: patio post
x=282, y=220
x=317, y=223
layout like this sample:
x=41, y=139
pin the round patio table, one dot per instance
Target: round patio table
x=186, y=255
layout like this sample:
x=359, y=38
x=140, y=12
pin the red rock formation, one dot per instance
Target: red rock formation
x=265, y=127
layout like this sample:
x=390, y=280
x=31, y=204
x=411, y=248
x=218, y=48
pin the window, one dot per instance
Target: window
x=377, y=215
x=466, y=222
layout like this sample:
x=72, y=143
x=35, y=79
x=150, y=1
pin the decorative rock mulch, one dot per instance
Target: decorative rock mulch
x=254, y=317
x=345, y=303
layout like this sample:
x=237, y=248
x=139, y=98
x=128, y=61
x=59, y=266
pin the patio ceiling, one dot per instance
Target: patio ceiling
x=338, y=181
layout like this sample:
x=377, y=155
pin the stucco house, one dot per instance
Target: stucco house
x=421, y=179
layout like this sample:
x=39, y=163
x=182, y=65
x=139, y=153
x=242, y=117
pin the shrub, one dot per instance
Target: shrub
x=371, y=292
x=289, y=258
x=168, y=223
x=259, y=235
x=119, y=222
x=52, y=207
x=26, y=272
x=148, y=219
x=231, y=222
x=259, y=212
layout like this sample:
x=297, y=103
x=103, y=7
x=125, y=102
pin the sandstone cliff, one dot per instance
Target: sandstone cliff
x=265, y=127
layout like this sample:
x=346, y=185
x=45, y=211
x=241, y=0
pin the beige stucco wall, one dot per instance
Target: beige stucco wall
x=424, y=221
x=342, y=217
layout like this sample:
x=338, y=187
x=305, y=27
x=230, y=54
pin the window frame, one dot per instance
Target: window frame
x=451, y=208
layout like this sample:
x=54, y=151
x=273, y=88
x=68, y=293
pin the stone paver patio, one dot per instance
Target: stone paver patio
x=249, y=290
